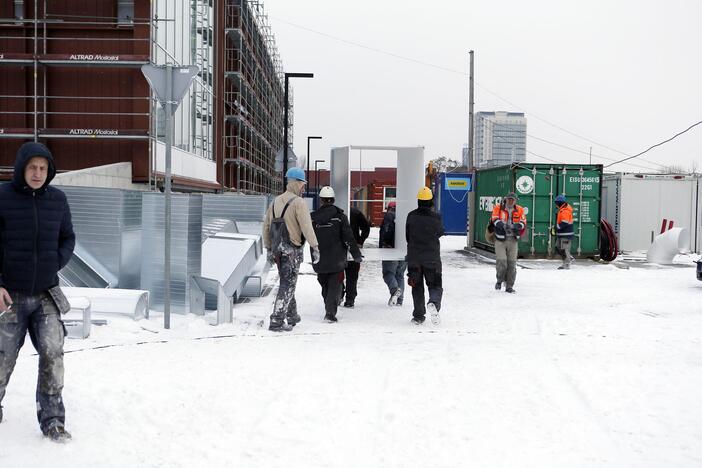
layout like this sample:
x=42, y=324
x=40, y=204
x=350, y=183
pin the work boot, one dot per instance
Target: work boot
x=510, y=290
x=294, y=320
x=417, y=320
x=57, y=433
x=349, y=304
x=330, y=319
x=564, y=267
x=280, y=327
x=498, y=285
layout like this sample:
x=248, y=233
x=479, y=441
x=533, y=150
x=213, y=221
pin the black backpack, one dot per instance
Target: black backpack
x=280, y=237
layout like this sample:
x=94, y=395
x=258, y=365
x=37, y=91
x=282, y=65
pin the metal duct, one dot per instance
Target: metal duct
x=239, y=208
x=186, y=244
x=107, y=223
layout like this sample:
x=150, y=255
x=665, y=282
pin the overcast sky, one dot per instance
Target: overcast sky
x=623, y=73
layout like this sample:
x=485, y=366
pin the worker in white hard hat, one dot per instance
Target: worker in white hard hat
x=335, y=238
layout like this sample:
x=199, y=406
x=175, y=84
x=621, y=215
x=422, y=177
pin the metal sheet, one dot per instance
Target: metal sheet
x=107, y=223
x=235, y=207
x=186, y=244
x=410, y=177
x=340, y=177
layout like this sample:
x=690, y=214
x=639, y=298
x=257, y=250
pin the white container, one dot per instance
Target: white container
x=636, y=205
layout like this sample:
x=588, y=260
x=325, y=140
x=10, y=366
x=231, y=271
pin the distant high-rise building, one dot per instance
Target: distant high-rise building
x=500, y=138
x=464, y=155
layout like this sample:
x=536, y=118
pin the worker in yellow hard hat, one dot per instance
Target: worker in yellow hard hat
x=423, y=229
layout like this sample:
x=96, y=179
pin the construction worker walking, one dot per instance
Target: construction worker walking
x=286, y=227
x=423, y=229
x=393, y=270
x=335, y=240
x=361, y=230
x=563, y=230
x=509, y=222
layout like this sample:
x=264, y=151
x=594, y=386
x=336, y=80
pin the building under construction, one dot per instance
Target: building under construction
x=70, y=77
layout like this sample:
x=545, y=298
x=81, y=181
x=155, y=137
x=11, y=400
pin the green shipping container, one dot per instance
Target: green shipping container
x=537, y=185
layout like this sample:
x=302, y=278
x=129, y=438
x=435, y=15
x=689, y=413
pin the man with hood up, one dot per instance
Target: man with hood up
x=36, y=241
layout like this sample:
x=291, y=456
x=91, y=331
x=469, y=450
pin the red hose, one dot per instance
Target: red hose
x=609, y=246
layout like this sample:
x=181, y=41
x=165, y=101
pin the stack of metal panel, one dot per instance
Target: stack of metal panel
x=107, y=223
x=186, y=245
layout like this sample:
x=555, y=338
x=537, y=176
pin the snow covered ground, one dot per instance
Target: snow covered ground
x=597, y=366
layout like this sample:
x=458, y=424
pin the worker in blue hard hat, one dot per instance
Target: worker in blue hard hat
x=285, y=228
x=563, y=230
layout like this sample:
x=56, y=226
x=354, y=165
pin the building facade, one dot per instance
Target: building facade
x=70, y=77
x=499, y=138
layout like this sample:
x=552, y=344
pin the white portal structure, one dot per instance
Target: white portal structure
x=410, y=178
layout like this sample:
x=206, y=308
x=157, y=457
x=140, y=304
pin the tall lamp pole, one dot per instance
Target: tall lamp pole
x=286, y=105
x=316, y=177
x=308, y=158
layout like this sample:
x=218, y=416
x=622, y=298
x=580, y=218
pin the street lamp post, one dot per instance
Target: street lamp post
x=316, y=177
x=286, y=105
x=308, y=158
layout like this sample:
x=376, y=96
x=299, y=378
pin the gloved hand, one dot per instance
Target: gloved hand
x=271, y=257
x=315, y=255
x=500, y=232
x=358, y=259
x=553, y=230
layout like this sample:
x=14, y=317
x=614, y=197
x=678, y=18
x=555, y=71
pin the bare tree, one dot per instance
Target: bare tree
x=443, y=164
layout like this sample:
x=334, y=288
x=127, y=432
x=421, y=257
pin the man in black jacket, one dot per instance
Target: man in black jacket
x=335, y=239
x=36, y=241
x=393, y=270
x=423, y=230
x=361, y=229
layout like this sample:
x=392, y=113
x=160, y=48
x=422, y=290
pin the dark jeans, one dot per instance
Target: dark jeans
x=288, y=269
x=352, y=269
x=39, y=316
x=417, y=276
x=393, y=275
x=331, y=289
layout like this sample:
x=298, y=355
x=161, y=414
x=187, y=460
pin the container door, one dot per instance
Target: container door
x=453, y=202
x=582, y=188
x=490, y=186
x=535, y=187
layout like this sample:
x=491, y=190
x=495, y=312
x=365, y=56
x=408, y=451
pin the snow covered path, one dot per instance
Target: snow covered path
x=596, y=366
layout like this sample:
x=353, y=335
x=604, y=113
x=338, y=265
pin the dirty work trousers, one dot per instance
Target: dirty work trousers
x=506, y=254
x=39, y=316
x=563, y=249
x=288, y=268
x=417, y=275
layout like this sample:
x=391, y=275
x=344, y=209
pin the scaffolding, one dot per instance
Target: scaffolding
x=253, y=100
x=71, y=71
x=46, y=52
